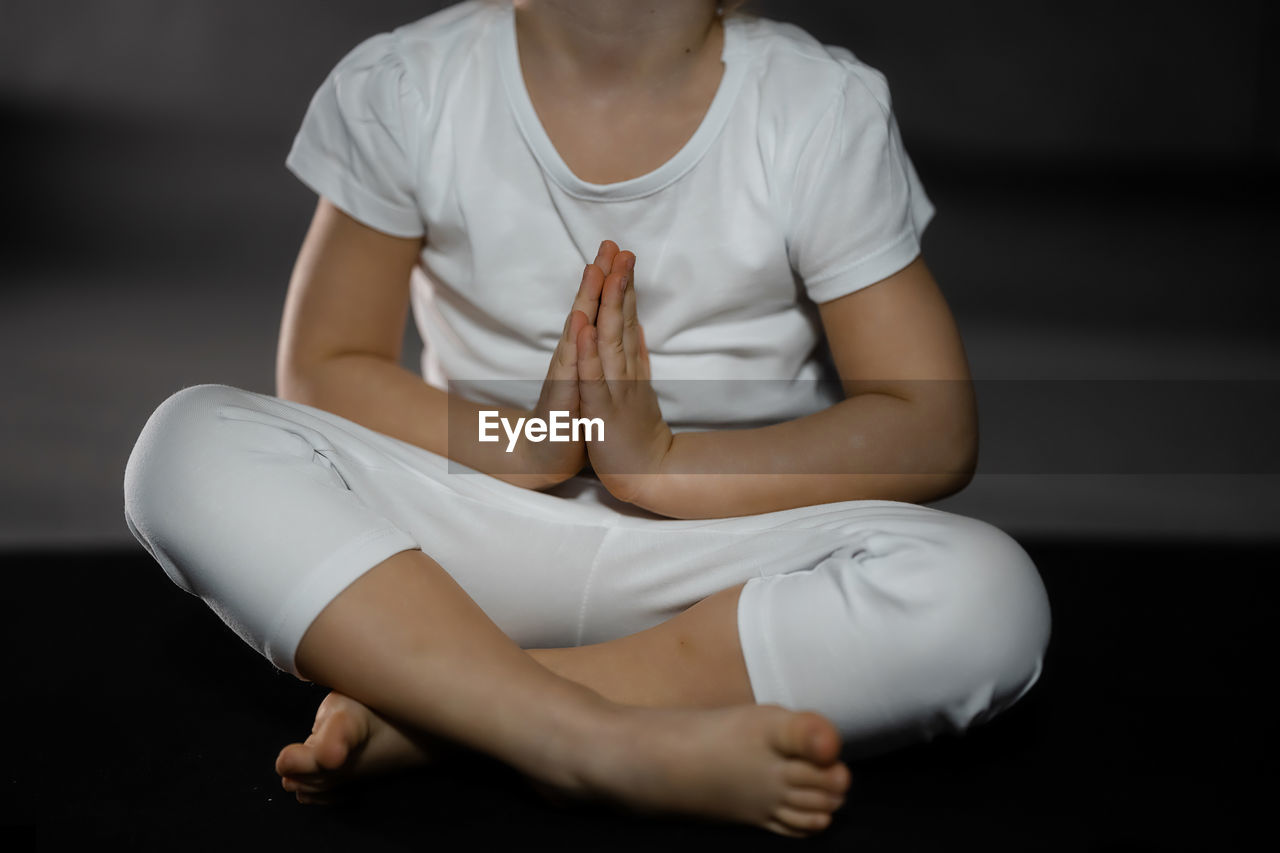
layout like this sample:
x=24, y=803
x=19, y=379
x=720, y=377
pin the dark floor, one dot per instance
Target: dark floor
x=155, y=727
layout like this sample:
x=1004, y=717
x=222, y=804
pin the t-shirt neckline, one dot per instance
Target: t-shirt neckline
x=553, y=164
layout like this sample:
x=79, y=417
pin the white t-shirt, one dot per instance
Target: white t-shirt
x=794, y=190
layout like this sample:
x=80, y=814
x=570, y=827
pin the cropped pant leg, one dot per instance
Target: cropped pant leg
x=267, y=509
x=894, y=620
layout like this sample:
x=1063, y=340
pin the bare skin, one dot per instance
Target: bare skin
x=583, y=59
x=693, y=660
x=406, y=639
x=659, y=721
x=761, y=765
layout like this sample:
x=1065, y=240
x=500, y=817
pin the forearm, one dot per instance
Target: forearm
x=867, y=447
x=380, y=394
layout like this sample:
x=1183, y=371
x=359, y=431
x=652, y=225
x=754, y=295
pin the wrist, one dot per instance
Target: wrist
x=543, y=465
x=534, y=474
x=652, y=490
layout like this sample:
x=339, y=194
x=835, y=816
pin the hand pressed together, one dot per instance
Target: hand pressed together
x=558, y=461
x=600, y=369
x=614, y=385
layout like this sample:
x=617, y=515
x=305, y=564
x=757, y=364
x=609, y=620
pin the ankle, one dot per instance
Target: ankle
x=581, y=739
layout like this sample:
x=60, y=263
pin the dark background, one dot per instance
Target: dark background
x=1105, y=175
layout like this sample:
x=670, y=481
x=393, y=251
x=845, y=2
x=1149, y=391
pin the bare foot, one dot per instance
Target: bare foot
x=348, y=741
x=758, y=764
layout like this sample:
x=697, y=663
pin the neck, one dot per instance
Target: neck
x=618, y=42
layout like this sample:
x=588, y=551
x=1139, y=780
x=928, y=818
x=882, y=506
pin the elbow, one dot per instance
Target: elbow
x=299, y=370
x=297, y=381
x=949, y=484
x=961, y=465
x=290, y=384
x=939, y=456
x=964, y=459
x=954, y=459
x=942, y=485
x=289, y=372
x=300, y=377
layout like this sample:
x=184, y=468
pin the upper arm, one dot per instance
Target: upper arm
x=898, y=337
x=358, y=149
x=349, y=293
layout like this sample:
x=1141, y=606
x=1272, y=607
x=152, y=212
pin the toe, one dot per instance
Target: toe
x=334, y=738
x=838, y=778
x=295, y=760
x=823, y=740
x=802, y=820
x=314, y=799
x=782, y=829
x=802, y=774
x=813, y=800
x=307, y=785
x=810, y=736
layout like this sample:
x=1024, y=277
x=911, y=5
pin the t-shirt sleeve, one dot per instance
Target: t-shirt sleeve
x=857, y=208
x=356, y=144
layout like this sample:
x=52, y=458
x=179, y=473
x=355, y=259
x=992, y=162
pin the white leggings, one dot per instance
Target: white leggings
x=892, y=619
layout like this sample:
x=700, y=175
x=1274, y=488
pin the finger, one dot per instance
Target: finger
x=609, y=326
x=587, y=299
x=643, y=371
x=562, y=377
x=604, y=257
x=593, y=390
x=564, y=358
x=566, y=348
x=630, y=321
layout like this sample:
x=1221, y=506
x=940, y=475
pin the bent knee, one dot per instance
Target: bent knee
x=994, y=624
x=175, y=446
x=177, y=430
